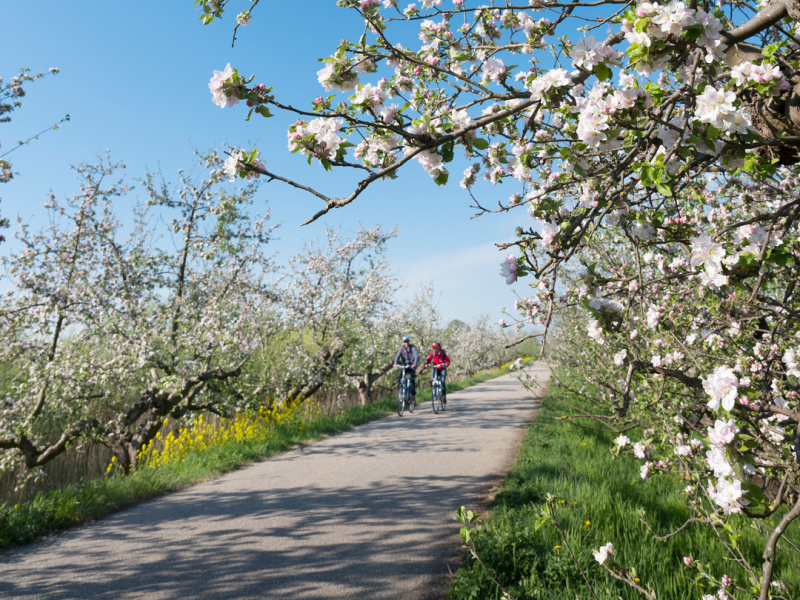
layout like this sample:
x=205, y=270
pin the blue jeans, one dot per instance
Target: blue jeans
x=412, y=383
x=442, y=375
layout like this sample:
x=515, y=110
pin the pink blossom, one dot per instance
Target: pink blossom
x=508, y=269
x=604, y=553
x=722, y=386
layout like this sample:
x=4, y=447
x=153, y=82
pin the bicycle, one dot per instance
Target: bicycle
x=437, y=391
x=404, y=399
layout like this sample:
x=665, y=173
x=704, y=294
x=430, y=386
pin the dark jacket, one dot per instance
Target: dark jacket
x=409, y=356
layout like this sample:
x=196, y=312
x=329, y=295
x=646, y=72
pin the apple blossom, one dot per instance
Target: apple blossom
x=508, y=269
x=723, y=432
x=722, y=386
x=604, y=553
x=622, y=441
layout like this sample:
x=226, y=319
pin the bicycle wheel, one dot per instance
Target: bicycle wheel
x=436, y=398
x=412, y=403
x=401, y=400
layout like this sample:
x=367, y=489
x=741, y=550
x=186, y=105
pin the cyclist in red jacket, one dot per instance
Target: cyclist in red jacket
x=440, y=363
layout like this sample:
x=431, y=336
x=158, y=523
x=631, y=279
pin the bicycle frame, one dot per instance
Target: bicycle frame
x=404, y=391
x=437, y=390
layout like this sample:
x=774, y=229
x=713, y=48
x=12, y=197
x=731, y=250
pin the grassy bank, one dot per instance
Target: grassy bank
x=596, y=501
x=97, y=497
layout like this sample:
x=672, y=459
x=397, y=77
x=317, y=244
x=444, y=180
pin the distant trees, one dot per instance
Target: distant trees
x=111, y=332
x=111, y=327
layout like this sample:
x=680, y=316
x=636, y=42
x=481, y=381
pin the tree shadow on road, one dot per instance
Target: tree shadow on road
x=381, y=536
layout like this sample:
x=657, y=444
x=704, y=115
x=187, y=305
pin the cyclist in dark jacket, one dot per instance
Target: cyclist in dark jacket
x=440, y=363
x=408, y=355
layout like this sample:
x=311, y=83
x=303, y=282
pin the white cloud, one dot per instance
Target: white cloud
x=468, y=280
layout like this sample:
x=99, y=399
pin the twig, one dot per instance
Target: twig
x=474, y=551
x=527, y=337
x=564, y=539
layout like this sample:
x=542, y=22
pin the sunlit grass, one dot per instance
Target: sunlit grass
x=597, y=496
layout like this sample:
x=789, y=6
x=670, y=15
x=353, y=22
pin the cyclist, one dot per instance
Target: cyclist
x=440, y=363
x=408, y=356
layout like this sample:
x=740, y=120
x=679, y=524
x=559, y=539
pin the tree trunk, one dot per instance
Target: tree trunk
x=324, y=366
x=364, y=390
x=126, y=455
x=364, y=381
x=773, y=118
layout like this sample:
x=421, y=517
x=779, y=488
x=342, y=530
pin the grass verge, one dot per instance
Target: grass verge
x=597, y=497
x=95, y=498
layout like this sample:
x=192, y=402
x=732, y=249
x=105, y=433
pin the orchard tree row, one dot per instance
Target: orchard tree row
x=113, y=323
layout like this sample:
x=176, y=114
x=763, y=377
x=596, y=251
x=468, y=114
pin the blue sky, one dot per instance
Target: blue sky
x=134, y=79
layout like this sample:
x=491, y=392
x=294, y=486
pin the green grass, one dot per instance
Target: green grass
x=575, y=466
x=95, y=498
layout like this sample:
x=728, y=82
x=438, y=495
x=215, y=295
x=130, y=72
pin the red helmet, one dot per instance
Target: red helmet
x=434, y=345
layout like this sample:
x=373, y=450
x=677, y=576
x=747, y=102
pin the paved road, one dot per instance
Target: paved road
x=365, y=514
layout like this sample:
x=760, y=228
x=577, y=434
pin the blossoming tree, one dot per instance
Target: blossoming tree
x=333, y=299
x=654, y=147
x=110, y=333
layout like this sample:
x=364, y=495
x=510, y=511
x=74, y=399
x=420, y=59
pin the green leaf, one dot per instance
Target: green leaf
x=442, y=178
x=693, y=32
x=602, y=72
x=753, y=492
x=480, y=144
x=647, y=175
x=747, y=259
x=749, y=445
x=465, y=532
x=540, y=522
x=781, y=257
x=664, y=189
x=769, y=50
x=264, y=111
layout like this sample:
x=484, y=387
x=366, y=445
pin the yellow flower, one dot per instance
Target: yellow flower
x=588, y=523
x=636, y=579
x=556, y=547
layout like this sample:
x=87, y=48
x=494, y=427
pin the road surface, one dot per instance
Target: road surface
x=363, y=514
